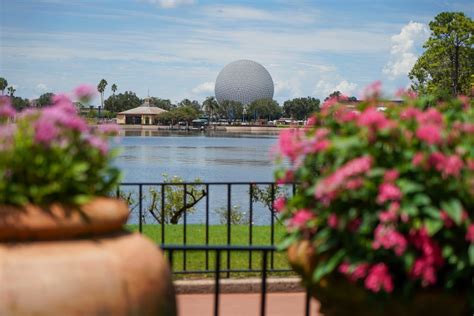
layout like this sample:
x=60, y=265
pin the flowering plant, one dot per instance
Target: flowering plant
x=386, y=193
x=52, y=155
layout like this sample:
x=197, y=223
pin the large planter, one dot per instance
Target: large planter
x=340, y=297
x=59, y=260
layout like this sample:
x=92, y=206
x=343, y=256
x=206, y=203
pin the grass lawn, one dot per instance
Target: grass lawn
x=195, y=235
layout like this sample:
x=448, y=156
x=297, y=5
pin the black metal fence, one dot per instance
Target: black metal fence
x=218, y=270
x=156, y=207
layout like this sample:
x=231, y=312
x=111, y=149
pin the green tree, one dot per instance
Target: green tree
x=164, y=104
x=210, y=107
x=20, y=103
x=11, y=91
x=101, y=88
x=448, y=61
x=231, y=110
x=122, y=102
x=3, y=84
x=44, y=99
x=113, y=88
x=186, y=114
x=167, y=118
x=188, y=103
x=301, y=108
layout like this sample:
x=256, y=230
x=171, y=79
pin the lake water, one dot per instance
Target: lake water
x=211, y=158
x=216, y=157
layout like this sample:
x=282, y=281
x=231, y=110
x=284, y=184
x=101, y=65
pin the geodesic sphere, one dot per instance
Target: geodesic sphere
x=243, y=81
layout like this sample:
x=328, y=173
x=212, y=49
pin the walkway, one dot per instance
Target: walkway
x=278, y=304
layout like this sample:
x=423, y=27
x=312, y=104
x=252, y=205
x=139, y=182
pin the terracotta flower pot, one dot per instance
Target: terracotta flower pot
x=59, y=260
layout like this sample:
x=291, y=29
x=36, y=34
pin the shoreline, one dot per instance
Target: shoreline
x=149, y=130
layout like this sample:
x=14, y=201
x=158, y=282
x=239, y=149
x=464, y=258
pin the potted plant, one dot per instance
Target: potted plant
x=382, y=222
x=63, y=249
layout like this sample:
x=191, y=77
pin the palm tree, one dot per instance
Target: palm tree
x=11, y=91
x=101, y=88
x=210, y=106
x=113, y=88
x=3, y=84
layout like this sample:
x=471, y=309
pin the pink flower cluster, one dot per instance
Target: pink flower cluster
x=430, y=261
x=470, y=234
x=390, y=215
x=388, y=192
x=387, y=237
x=6, y=108
x=355, y=272
x=373, y=119
x=430, y=134
x=327, y=189
x=85, y=93
x=290, y=143
x=379, y=278
x=279, y=204
x=447, y=165
x=300, y=219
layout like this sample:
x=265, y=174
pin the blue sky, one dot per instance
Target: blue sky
x=176, y=48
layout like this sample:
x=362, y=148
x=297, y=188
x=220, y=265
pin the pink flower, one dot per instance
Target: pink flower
x=98, y=143
x=379, y=278
x=430, y=134
x=354, y=273
x=354, y=224
x=287, y=178
x=109, y=129
x=452, y=166
x=417, y=159
x=391, y=215
x=389, y=238
x=470, y=164
x=311, y=121
x=410, y=113
x=279, y=204
x=346, y=115
x=373, y=90
x=45, y=131
x=430, y=117
x=354, y=184
x=333, y=221
x=425, y=267
x=301, y=218
x=6, y=108
x=465, y=100
x=437, y=160
x=448, y=222
x=390, y=175
x=373, y=119
x=388, y=192
x=85, y=93
x=290, y=143
x=326, y=190
x=470, y=234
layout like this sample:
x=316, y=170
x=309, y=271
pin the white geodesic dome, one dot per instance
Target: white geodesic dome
x=243, y=81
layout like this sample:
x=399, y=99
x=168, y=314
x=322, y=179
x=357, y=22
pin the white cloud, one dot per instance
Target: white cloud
x=403, y=52
x=41, y=88
x=168, y=4
x=324, y=88
x=205, y=87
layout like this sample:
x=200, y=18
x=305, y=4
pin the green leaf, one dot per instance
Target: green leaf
x=471, y=254
x=421, y=199
x=454, y=209
x=287, y=242
x=433, y=226
x=326, y=267
x=447, y=251
x=408, y=186
x=408, y=259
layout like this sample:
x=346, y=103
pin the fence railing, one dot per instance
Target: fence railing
x=218, y=250
x=246, y=207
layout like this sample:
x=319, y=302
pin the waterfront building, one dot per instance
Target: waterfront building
x=142, y=115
